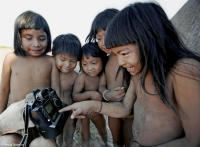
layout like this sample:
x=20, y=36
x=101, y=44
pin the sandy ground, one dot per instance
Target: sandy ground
x=96, y=140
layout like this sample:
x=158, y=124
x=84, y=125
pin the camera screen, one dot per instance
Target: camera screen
x=51, y=110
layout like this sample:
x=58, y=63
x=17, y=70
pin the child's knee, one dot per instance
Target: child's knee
x=10, y=139
x=40, y=141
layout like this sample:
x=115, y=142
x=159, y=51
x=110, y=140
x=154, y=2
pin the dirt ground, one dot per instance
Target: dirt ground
x=96, y=140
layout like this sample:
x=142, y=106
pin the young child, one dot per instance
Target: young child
x=111, y=84
x=28, y=67
x=164, y=87
x=86, y=88
x=67, y=52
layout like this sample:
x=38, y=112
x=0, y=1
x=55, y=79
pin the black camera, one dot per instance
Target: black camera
x=43, y=106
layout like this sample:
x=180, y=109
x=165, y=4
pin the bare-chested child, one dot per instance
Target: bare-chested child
x=112, y=85
x=164, y=87
x=28, y=67
x=86, y=88
x=67, y=52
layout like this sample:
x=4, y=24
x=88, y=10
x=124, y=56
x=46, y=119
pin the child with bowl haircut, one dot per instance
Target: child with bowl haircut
x=28, y=68
x=112, y=84
x=165, y=79
x=86, y=88
x=67, y=52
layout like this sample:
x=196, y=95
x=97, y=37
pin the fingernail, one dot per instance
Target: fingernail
x=72, y=116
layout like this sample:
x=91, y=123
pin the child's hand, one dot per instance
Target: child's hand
x=80, y=109
x=95, y=95
x=115, y=94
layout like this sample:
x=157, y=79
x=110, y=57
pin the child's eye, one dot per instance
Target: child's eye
x=42, y=39
x=93, y=62
x=28, y=38
x=98, y=39
x=124, y=54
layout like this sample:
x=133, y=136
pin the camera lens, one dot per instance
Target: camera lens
x=57, y=102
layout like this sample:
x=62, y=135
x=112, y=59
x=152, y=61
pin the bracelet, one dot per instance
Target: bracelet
x=101, y=106
x=104, y=95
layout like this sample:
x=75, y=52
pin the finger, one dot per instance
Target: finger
x=76, y=113
x=67, y=108
x=117, y=88
x=81, y=117
x=121, y=95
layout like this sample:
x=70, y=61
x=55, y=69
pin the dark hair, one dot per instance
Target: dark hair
x=100, y=22
x=147, y=25
x=92, y=49
x=29, y=20
x=67, y=43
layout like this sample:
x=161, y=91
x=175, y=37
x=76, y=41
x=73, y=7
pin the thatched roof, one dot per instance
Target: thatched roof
x=187, y=23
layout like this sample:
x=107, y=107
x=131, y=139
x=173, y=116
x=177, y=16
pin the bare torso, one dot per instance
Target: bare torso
x=66, y=83
x=155, y=123
x=91, y=83
x=28, y=74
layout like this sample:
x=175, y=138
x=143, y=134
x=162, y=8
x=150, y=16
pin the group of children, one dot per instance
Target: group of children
x=160, y=85
x=32, y=68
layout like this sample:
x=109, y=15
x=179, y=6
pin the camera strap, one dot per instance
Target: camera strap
x=26, y=114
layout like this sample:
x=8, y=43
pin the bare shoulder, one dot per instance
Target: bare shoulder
x=49, y=58
x=81, y=76
x=186, y=67
x=74, y=74
x=10, y=58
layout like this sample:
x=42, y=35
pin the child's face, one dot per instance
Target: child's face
x=128, y=57
x=100, y=40
x=92, y=65
x=34, y=42
x=65, y=63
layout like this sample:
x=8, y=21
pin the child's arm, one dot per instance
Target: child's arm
x=55, y=78
x=79, y=94
x=115, y=94
x=112, y=109
x=5, y=81
x=186, y=85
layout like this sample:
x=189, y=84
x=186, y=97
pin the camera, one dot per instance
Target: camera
x=43, y=106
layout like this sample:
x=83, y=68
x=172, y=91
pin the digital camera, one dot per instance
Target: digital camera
x=43, y=106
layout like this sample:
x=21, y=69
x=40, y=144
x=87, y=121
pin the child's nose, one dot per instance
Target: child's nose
x=67, y=64
x=89, y=67
x=36, y=43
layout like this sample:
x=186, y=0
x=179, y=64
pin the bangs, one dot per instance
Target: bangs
x=100, y=23
x=68, y=44
x=122, y=30
x=91, y=49
x=70, y=48
x=29, y=20
x=32, y=21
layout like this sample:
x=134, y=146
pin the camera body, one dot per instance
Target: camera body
x=43, y=110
